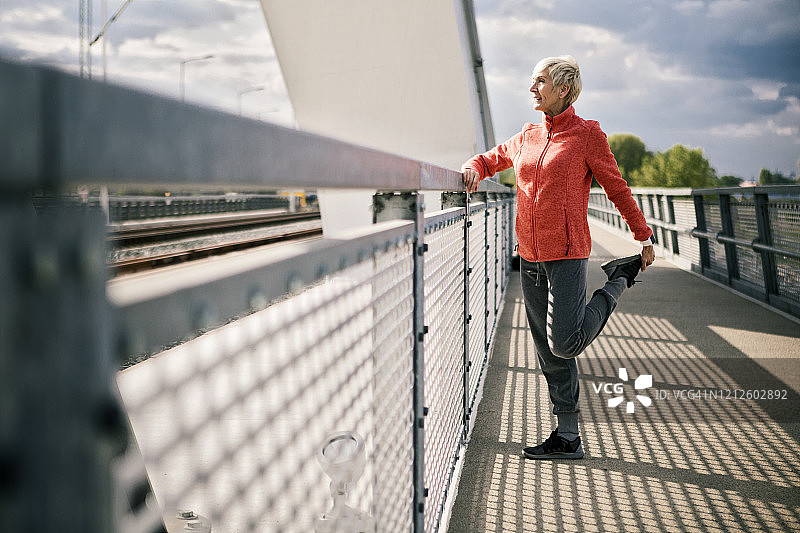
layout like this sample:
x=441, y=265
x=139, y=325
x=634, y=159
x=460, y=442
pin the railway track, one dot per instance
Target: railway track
x=159, y=230
x=152, y=244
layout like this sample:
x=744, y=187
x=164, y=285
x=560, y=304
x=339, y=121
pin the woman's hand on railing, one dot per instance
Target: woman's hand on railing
x=471, y=179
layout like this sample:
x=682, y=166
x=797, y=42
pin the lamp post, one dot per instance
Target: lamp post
x=183, y=72
x=242, y=92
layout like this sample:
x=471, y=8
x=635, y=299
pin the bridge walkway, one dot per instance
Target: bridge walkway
x=698, y=458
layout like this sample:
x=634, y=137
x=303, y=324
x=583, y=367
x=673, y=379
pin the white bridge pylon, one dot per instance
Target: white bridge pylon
x=402, y=77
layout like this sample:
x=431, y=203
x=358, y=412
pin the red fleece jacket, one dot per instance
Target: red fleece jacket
x=554, y=163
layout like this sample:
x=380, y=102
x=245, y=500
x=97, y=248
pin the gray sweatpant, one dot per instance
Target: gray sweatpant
x=563, y=325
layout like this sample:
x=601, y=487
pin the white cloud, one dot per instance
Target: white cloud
x=786, y=126
x=755, y=23
x=622, y=81
x=243, y=57
x=690, y=6
x=39, y=45
x=766, y=89
x=643, y=76
x=668, y=72
x=749, y=130
x=31, y=15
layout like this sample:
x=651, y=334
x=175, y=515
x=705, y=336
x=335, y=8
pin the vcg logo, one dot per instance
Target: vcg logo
x=645, y=381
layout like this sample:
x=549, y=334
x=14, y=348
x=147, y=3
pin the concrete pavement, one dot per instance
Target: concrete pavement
x=692, y=452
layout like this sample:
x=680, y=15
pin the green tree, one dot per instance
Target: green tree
x=730, y=181
x=507, y=177
x=629, y=151
x=765, y=177
x=677, y=167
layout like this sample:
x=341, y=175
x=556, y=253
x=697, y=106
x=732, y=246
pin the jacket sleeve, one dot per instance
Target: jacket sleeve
x=605, y=170
x=495, y=160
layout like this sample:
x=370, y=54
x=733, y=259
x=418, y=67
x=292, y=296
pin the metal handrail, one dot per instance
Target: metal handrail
x=755, y=245
x=51, y=135
x=772, y=190
x=759, y=247
x=660, y=223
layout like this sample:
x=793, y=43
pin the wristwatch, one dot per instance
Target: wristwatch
x=649, y=242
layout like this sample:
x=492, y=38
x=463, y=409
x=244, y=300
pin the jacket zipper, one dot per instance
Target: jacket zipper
x=566, y=225
x=536, y=195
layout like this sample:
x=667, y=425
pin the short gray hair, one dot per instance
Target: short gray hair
x=565, y=71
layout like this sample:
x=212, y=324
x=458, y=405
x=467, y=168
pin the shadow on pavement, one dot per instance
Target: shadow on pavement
x=697, y=452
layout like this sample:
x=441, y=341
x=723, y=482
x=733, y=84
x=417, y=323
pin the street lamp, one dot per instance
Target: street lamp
x=245, y=91
x=183, y=72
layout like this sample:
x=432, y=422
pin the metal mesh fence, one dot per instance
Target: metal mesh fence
x=601, y=208
x=231, y=424
x=477, y=299
x=685, y=218
x=499, y=263
x=760, y=225
x=670, y=214
x=504, y=253
x=716, y=251
x=788, y=278
x=743, y=215
x=784, y=215
x=647, y=206
x=491, y=268
x=444, y=356
x=499, y=267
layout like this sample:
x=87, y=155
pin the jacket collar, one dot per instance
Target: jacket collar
x=560, y=121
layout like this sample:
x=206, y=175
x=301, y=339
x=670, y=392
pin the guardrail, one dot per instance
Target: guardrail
x=745, y=237
x=257, y=377
x=138, y=208
x=125, y=208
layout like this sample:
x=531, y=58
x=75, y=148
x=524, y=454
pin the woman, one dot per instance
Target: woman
x=554, y=163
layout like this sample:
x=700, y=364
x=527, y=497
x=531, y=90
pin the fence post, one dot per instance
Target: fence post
x=61, y=424
x=671, y=220
x=410, y=206
x=511, y=220
x=496, y=259
x=731, y=257
x=768, y=264
x=700, y=216
x=486, y=279
x=638, y=201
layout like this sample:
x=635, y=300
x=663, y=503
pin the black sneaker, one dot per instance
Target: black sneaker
x=626, y=267
x=555, y=447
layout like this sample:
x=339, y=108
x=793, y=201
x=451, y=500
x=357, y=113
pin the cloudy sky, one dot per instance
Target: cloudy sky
x=723, y=75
